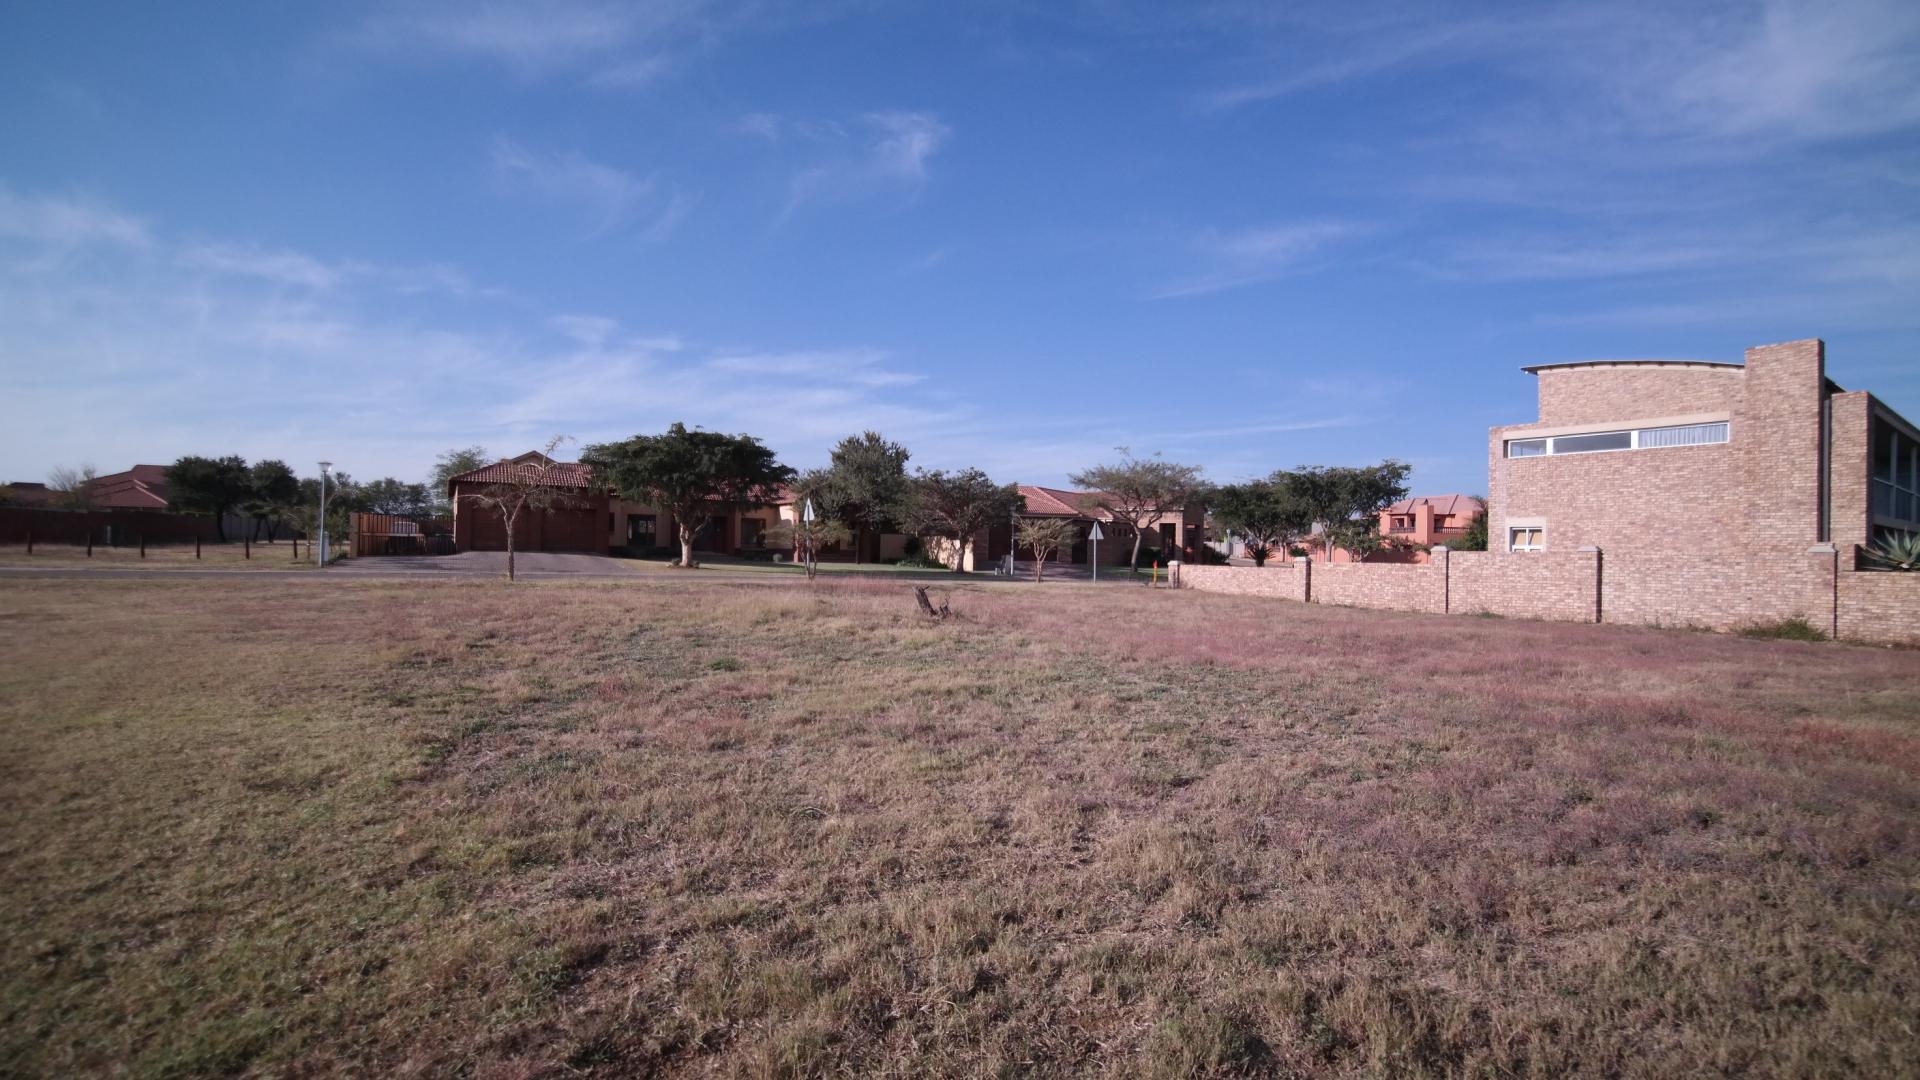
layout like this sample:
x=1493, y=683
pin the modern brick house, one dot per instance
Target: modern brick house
x=1765, y=458
x=1177, y=529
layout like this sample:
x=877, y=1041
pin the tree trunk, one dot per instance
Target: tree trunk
x=959, y=555
x=1039, y=566
x=686, y=544
x=220, y=524
x=1133, y=565
x=510, y=548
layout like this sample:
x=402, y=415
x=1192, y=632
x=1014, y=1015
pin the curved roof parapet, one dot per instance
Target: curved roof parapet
x=1534, y=369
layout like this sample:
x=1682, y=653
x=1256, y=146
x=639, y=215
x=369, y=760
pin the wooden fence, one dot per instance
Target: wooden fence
x=390, y=534
x=108, y=528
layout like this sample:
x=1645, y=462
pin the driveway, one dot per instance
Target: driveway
x=487, y=564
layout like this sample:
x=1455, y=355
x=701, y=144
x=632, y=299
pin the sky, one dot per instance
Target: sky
x=1012, y=235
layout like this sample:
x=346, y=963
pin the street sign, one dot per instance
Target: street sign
x=1094, y=535
x=806, y=511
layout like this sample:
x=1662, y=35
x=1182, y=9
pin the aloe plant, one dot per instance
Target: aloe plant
x=1897, y=551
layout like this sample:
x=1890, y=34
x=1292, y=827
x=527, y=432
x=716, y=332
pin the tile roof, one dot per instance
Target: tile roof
x=1054, y=502
x=523, y=469
x=1442, y=504
x=143, y=487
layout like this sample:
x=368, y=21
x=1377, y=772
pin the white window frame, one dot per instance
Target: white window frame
x=1632, y=434
x=1539, y=544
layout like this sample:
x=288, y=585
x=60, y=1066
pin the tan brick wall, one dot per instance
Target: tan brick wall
x=1698, y=591
x=1879, y=607
x=1676, y=498
x=1392, y=586
x=1282, y=581
x=1604, y=393
x=1776, y=433
x=1851, y=471
x=1557, y=585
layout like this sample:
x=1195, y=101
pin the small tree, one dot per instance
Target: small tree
x=72, y=488
x=530, y=485
x=215, y=486
x=1268, y=516
x=1138, y=492
x=955, y=506
x=272, y=489
x=869, y=480
x=687, y=473
x=449, y=465
x=806, y=538
x=1044, y=535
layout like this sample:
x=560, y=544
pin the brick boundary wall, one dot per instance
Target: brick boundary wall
x=1635, y=588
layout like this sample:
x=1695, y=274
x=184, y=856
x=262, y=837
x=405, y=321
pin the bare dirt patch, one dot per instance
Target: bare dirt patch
x=725, y=829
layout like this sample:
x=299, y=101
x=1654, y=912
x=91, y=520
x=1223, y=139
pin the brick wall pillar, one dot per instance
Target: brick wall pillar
x=1826, y=569
x=1306, y=579
x=1442, y=557
x=1599, y=581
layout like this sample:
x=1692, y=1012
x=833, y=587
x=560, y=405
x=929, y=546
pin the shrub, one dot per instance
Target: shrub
x=911, y=547
x=1895, y=551
x=1794, y=629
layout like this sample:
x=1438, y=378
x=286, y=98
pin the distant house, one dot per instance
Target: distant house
x=1411, y=526
x=588, y=518
x=29, y=493
x=143, y=487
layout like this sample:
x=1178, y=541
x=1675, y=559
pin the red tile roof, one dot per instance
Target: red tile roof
x=143, y=487
x=1054, y=502
x=1442, y=504
x=525, y=470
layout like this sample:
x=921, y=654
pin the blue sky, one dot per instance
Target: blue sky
x=1013, y=235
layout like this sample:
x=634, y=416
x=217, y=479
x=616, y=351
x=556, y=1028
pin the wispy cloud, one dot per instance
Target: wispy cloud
x=874, y=154
x=1233, y=258
x=610, y=198
x=59, y=222
x=608, y=44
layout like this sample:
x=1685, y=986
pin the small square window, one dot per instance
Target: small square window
x=1529, y=538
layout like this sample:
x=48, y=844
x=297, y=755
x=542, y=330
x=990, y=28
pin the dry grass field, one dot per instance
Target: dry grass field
x=732, y=829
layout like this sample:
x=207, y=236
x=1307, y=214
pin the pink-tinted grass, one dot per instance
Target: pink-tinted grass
x=680, y=827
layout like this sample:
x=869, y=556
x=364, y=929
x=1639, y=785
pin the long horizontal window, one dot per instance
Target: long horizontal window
x=1633, y=439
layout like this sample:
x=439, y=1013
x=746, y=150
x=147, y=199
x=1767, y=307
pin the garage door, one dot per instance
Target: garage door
x=571, y=530
x=490, y=530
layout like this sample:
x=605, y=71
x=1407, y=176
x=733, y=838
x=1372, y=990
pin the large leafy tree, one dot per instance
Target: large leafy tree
x=449, y=465
x=272, y=489
x=956, y=506
x=397, y=497
x=1266, y=514
x=204, y=485
x=869, y=485
x=689, y=473
x=1137, y=493
x=1346, y=500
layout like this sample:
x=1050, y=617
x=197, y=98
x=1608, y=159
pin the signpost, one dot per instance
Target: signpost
x=806, y=515
x=1094, y=537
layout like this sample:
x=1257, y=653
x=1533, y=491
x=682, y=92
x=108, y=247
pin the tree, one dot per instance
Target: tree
x=72, y=488
x=806, y=538
x=396, y=497
x=449, y=465
x=1138, y=492
x=869, y=480
x=687, y=473
x=1044, y=535
x=1475, y=538
x=1267, y=515
x=532, y=485
x=273, y=488
x=955, y=506
x=1346, y=501
x=216, y=486
x=6, y=495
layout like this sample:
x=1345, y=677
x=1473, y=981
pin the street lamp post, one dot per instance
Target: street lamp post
x=324, y=467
